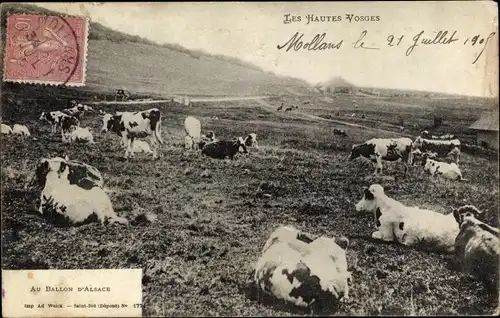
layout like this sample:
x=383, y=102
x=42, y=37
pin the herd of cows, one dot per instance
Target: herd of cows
x=295, y=266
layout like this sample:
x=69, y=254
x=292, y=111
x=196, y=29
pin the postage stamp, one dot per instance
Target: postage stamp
x=45, y=49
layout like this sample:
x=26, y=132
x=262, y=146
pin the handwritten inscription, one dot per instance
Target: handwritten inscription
x=369, y=42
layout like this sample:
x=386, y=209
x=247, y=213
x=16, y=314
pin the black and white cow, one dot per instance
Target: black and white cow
x=71, y=193
x=224, y=148
x=78, y=110
x=378, y=149
x=443, y=148
x=340, y=132
x=132, y=125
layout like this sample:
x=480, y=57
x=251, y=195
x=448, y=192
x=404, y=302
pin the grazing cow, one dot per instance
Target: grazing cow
x=6, y=129
x=72, y=193
x=205, y=139
x=53, y=118
x=288, y=109
x=449, y=149
x=20, y=130
x=410, y=226
x=477, y=248
x=78, y=110
x=192, y=127
x=301, y=270
x=135, y=125
x=81, y=135
x=251, y=140
x=447, y=170
x=378, y=149
x=340, y=132
x=224, y=148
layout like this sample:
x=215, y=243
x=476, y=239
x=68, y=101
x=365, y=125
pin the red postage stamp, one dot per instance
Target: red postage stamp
x=45, y=50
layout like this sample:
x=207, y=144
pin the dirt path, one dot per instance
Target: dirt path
x=194, y=99
x=314, y=117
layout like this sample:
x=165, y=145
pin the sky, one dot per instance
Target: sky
x=252, y=31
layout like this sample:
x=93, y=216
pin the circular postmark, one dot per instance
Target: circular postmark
x=43, y=48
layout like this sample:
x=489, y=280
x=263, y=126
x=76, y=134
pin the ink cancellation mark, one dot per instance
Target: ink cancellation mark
x=45, y=50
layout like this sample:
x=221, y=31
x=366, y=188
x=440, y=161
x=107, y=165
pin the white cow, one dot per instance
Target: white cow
x=410, y=226
x=302, y=270
x=447, y=170
x=192, y=127
x=6, y=129
x=141, y=146
x=72, y=193
x=20, y=130
x=477, y=248
x=81, y=135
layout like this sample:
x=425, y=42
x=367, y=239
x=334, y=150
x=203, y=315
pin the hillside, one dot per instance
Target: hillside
x=119, y=60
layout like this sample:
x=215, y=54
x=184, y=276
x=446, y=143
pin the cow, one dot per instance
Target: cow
x=53, y=118
x=122, y=95
x=444, y=137
x=363, y=116
x=78, y=110
x=205, y=139
x=423, y=156
x=224, y=148
x=192, y=127
x=6, y=129
x=141, y=146
x=477, y=248
x=134, y=125
x=292, y=268
x=20, y=130
x=281, y=107
x=378, y=149
x=289, y=109
x=410, y=226
x=67, y=124
x=72, y=193
x=447, y=170
x=251, y=140
x=449, y=149
x=81, y=135
x=340, y=132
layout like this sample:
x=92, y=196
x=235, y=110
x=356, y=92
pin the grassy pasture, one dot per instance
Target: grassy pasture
x=209, y=230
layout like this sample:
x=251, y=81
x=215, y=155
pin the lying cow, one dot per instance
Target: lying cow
x=141, y=146
x=299, y=269
x=6, y=129
x=81, y=135
x=444, y=148
x=192, y=127
x=205, y=139
x=447, y=170
x=134, y=125
x=339, y=132
x=378, y=149
x=251, y=140
x=77, y=110
x=477, y=248
x=410, y=226
x=72, y=193
x=224, y=148
x=22, y=130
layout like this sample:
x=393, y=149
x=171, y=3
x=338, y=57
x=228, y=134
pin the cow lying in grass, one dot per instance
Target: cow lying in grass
x=81, y=135
x=22, y=130
x=477, y=247
x=446, y=170
x=73, y=193
x=6, y=129
x=410, y=226
x=299, y=269
x=224, y=148
x=378, y=149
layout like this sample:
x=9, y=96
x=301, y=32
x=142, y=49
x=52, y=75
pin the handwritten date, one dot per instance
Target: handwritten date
x=411, y=43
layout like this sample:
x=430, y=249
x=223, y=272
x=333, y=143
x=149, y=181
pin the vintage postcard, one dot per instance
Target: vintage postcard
x=249, y=159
